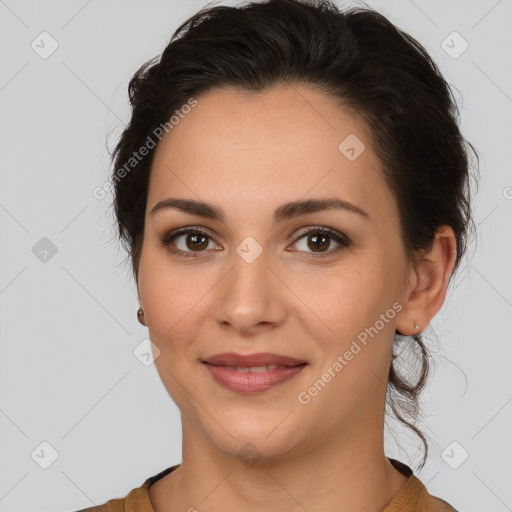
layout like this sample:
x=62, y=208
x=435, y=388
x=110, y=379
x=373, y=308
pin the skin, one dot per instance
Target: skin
x=248, y=154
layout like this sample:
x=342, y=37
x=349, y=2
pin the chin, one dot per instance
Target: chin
x=254, y=445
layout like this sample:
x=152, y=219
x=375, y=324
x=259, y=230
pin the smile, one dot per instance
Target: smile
x=253, y=379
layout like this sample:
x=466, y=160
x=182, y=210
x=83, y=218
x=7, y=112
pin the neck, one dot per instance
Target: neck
x=345, y=473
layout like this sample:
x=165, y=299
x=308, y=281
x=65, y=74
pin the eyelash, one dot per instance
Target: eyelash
x=339, y=238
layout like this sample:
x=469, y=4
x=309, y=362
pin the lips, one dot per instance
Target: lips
x=252, y=373
x=250, y=382
x=233, y=360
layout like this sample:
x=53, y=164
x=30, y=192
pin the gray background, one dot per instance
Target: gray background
x=68, y=373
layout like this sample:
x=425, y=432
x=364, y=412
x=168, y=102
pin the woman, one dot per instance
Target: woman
x=292, y=190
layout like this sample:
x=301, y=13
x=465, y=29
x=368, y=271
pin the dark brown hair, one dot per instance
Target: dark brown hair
x=359, y=59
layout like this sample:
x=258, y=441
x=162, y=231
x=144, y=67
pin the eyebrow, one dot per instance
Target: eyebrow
x=283, y=212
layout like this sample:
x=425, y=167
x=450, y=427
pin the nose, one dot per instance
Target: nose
x=251, y=298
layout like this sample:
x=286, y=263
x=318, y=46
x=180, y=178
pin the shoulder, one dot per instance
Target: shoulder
x=435, y=504
x=124, y=504
x=414, y=496
x=109, y=506
x=137, y=500
x=426, y=502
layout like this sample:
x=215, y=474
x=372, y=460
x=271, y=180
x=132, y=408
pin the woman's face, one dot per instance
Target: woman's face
x=252, y=283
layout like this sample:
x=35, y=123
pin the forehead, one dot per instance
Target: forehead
x=279, y=145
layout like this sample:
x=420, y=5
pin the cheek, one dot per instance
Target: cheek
x=345, y=298
x=356, y=308
x=355, y=303
x=174, y=297
x=172, y=300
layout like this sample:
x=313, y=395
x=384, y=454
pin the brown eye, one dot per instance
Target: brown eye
x=318, y=241
x=194, y=241
x=186, y=242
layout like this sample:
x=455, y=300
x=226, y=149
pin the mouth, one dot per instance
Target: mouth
x=252, y=374
x=256, y=361
x=255, y=369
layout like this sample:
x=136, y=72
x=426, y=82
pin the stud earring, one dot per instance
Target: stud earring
x=140, y=316
x=416, y=326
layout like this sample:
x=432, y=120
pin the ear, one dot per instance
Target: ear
x=138, y=297
x=428, y=281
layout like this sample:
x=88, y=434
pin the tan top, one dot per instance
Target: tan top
x=413, y=497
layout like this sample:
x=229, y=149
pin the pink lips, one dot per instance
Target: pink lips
x=223, y=368
x=258, y=359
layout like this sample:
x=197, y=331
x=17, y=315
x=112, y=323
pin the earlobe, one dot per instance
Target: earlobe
x=430, y=274
x=140, y=316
